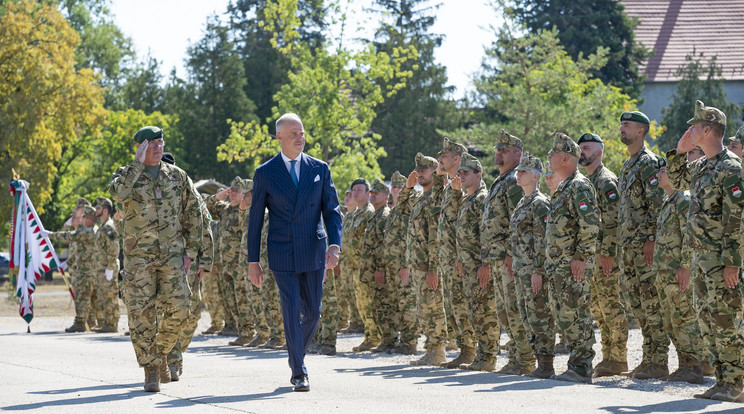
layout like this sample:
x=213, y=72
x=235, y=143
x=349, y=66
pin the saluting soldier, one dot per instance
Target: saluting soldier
x=107, y=258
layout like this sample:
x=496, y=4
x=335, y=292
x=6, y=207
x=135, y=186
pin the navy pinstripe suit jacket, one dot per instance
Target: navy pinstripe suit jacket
x=297, y=239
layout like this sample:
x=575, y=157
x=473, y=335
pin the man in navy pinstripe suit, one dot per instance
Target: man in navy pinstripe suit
x=304, y=236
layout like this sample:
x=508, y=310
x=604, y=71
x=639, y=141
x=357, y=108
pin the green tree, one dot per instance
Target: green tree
x=532, y=88
x=143, y=88
x=334, y=90
x=408, y=121
x=45, y=100
x=699, y=80
x=583, y=27
x=212, y=94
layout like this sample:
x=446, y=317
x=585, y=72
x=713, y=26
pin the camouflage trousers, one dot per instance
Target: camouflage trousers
x=83, y=285
x=407, y=315
x=481, y=314
x=574, y=318
x=95, y=314
x=227, y=291
x=192, y=321
x=152, y=285
x=639, y=281
x=385, y=305
x=678, y=314
x=108, y=293
x=720, y=315
x=347, y=296
x=272, y=309
x=609, y=314
x=430, y=303
x=213, y=298
x=458, y=313
x=538, y=315
x=365, y=292
x=510, y=318
x=260, y=323
x=236, y=283
x=329, y=312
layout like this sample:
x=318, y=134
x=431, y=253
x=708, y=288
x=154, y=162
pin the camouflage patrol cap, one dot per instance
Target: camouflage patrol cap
x=236, y=183
x=359, y=180
x=103, y=201
x=529, y=163
x=423, y=162
x=246, y=185
x=505, y=140
x=707, y=114
x=739, y=136
x=379, y=187
x=564, y=143
x=548, y=169
x=449, y=146
x=82, y=202
x=635, y=116
x=398, y=179
x=589, y=137
x=148, y=133
x=89, y=211
x=469, y=162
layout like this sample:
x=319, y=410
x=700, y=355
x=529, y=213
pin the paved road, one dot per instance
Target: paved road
x=49, y=371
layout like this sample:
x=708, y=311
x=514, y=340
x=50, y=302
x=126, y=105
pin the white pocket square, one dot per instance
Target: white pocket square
x=317, y=178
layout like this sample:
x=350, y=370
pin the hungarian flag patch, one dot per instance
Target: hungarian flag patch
x=653, y=180
x=583, y=206
x=612, y=195
x=736, y=192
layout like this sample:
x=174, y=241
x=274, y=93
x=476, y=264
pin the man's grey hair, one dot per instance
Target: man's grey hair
x=289, y=116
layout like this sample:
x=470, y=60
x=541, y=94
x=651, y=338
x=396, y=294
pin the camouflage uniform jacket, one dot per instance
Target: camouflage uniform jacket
x=494, y=228
x=230, y=242
x=640, y=197
x=573, y=224
x=374, y=236
x=107, y=247
x=358, y=227
x=394, y=245
x=85, y=242
x=605, y=185
x=446, y=234
x=206, y=249
x=467, y=226
x=161, y=217
x=714, y=217
x=528, y=233
x=347, y=219
x=670, y=250
x=421, y=238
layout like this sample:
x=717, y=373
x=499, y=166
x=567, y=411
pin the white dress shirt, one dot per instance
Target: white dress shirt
x=288, y=164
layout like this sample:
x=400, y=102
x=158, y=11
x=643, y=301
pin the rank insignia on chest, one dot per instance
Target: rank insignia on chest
x=736, y=192
x=653, y=180
x=583, y=206
x=611, y=194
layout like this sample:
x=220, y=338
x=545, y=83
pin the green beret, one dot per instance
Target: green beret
x=564, y=143
x=449, y=146
x=148, y=133
x=102, y=201
x=169, y=158
x=589, y=137
x=379, y=187
x=89, y=211
x=82, y=202
x=398, y=179
x=423, y=162
x=360, y=180
x=529, y=163
x=469, y=162
x=246, y=185
x=707, y=114
x=237, y=183
x=505, y=140
x=548, y=169
x=635, y=116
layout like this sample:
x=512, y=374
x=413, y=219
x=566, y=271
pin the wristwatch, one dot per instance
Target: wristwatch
x=651, y=238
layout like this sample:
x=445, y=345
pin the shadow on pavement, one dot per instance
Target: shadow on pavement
x=108, y=398
x=692, y=405
x=224, y=399
x=83, y=389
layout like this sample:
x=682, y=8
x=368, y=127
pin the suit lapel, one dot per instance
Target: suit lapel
x=281, y=177
x=307, y=175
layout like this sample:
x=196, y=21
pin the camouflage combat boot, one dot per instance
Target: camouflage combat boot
x=173, y=368
x=608, y=368
x=405, y=349
x=506, y=368
x=364, y=346
x=544, y=367
x=708, y=369
x=689, y=371
x=451, y=346
x=729, y=392
x=384, y=348
x=710, y=391
x=521, y=369
x=573, y=376
x=77, y=326
x=212, y=330
x=652, y=371
x=152, y=384
x=164, y=370
x=434, y=356
x=240, y=341
x=258, y=340
x=466, y=357
x=480, y=365
x=561, y=347
x=272, y=343
x=641, y=367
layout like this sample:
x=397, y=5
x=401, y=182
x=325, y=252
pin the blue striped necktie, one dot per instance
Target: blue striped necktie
x=293, y=173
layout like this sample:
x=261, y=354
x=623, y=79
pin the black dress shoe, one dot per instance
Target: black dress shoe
x=301, y=383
